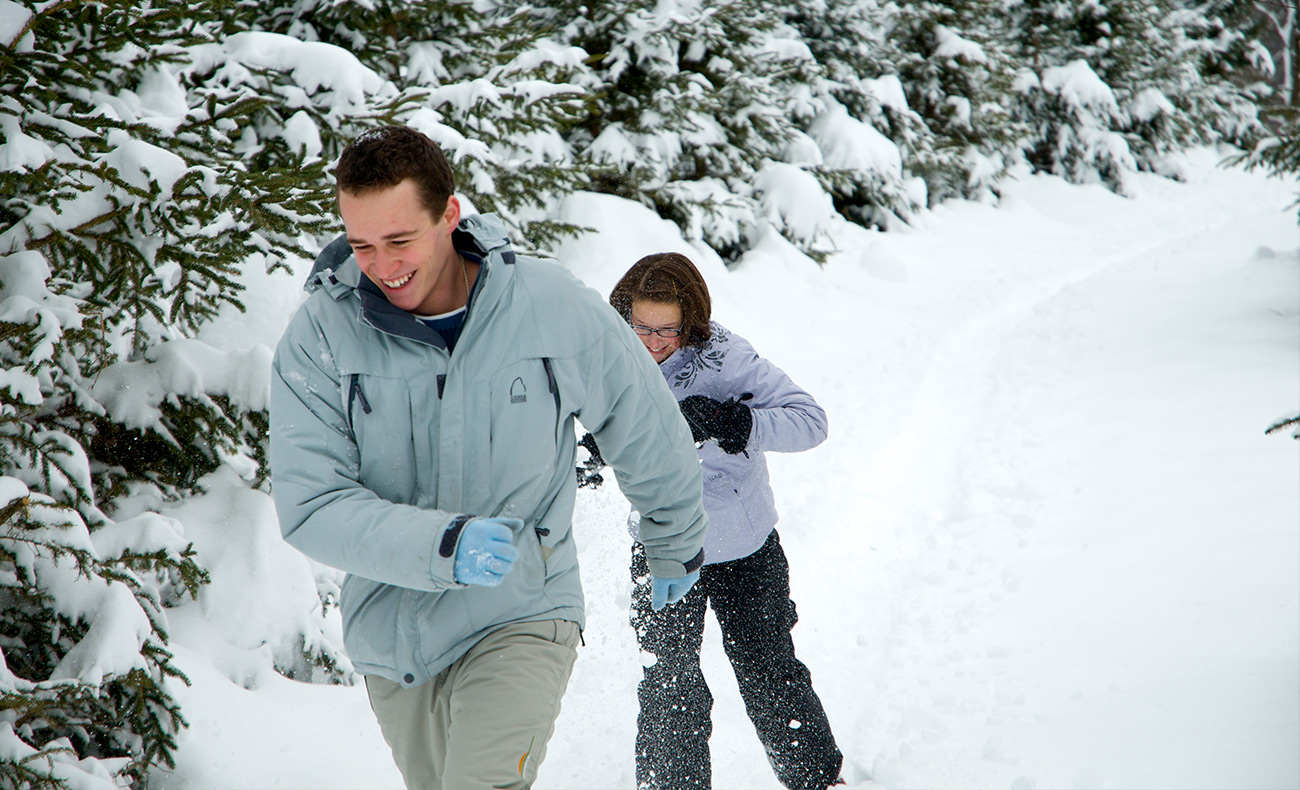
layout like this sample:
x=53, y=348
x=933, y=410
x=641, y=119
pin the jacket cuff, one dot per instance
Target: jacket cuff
x=671, y=569
x=447, y=546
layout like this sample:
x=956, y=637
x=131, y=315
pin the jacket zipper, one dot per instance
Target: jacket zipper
x=554, y=387
x=355, y=393
x=551, y=385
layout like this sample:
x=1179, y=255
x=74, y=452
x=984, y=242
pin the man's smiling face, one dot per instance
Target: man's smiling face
x=403, y=249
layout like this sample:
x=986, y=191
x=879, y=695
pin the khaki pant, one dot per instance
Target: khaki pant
x=484, y=721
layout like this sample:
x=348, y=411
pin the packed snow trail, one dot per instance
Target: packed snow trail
x=990, y=594
x=1087, y=608
x=1152, y=637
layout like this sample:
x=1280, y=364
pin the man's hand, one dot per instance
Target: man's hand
x=486, y=551
x=666, y=591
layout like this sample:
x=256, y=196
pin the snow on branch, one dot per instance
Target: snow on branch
x=132, y=391
x=312, y=64
x=1082, y=90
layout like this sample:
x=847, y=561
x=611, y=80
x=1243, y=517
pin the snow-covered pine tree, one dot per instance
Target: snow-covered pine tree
x=1170, y=102
x=82, y=633
x=136, y=184
x=1072, y=114
x=847, y=38
x=1115, y=87
x=482, y=81
x=689, y=102
x=958, y=77
x=864, y=129
x=1227, y=36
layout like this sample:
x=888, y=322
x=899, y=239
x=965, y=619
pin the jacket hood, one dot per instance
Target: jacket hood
x=475, y=237
x=336, y=272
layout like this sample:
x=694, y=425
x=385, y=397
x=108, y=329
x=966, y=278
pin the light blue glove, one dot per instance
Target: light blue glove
x=666, y=591
x=486, y=551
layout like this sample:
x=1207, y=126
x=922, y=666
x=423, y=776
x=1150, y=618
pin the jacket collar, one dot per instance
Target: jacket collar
x=481, y=238
x=673, y=365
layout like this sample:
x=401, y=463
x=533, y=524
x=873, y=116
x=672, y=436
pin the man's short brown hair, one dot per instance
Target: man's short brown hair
x=668, y=278
x=385, y=157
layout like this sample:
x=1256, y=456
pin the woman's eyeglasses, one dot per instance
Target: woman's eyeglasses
x=667, y=331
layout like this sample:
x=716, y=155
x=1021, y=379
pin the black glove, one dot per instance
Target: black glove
x=728, y=422
x=589, y=473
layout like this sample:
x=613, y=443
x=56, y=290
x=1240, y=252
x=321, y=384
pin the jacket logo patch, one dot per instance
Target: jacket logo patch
x=518, y=391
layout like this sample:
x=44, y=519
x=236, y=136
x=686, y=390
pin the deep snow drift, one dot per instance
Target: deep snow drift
x=1047, y=544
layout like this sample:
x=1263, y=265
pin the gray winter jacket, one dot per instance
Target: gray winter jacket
x=737, y=494
x=383, y=445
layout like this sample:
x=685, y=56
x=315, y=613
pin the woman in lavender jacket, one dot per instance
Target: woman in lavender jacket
x=738, y=406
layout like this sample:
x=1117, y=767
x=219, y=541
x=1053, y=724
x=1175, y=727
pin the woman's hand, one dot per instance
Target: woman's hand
x=728, y=422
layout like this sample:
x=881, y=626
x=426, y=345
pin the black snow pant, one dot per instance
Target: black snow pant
x=751, y=599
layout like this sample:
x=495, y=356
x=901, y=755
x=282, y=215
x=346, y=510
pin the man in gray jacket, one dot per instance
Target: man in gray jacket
x=422, y=440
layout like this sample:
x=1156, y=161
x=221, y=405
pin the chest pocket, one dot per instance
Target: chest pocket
x=525, y=424
x=381, y=412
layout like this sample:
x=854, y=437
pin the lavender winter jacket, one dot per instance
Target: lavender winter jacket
x=737, y=494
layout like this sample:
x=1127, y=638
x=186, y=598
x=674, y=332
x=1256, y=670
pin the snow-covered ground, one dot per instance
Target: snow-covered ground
x=1048, y=544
